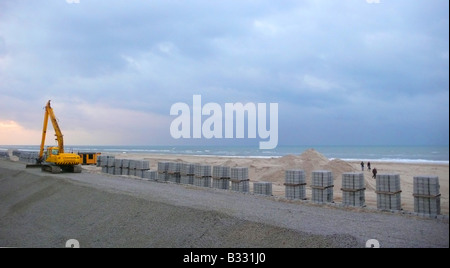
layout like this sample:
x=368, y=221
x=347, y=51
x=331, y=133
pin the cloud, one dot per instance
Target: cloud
x=324, y=60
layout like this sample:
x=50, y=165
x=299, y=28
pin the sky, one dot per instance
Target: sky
x=347, y=72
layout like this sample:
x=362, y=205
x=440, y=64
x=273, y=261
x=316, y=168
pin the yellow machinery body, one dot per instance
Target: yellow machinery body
x=64, y=159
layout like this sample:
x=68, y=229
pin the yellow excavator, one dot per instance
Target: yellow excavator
x=55, y=160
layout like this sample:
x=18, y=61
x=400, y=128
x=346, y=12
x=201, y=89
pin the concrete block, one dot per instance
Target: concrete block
x=262, y=188
x=187, y=179
x=203, y=170
x=239, y=173
x=125, y=171
x=163, y=167
x=187, y=169
x=142, y=165
x=151, y=175
x=240, y=186
x=221, y=172
x=221, y=183
x=126, y=163
x=202, y=181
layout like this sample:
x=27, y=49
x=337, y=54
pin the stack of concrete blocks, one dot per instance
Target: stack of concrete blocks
x=150, y=175
x=132, y=168
x=221, y=177
x=118, y=166
x=322, y=186
x=163, y=168
x=239, y=180
x=125, y=167
x=174, y=172
x=187, y=173
x=262, y=188
x=295, y=183
x=4, y=154
x=388, y=192
x=110, y=165
x=101, y=162
x=29, y=157
x=140, y=167
x=107, y=163
x=353, y=189
x=203, y=175
x=427, y=196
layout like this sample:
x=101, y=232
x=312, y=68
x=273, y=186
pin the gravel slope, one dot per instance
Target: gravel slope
x=45, y=210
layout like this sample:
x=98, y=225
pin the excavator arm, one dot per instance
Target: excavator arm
x=59, y=136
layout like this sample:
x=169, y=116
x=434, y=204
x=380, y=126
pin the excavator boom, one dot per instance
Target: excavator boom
x=59, y=136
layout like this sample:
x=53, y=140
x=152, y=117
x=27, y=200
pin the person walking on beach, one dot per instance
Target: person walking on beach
x=374, y=171
x=362, y=165
x=368, y=166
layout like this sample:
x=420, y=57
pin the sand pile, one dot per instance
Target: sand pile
x=274, y=169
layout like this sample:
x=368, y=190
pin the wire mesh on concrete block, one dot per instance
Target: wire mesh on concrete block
x=174, y=167
x=118, y=163
x=163, y=177
x=163, y=167
x=262, y=188
x=125, y=163
x=221, y=183
x=221, y=172
x=111, y=161
x=151, y=175
x=295, y=176
x=239, y=173
x=354, y=181
x=296, y=192
x=430, y=206
x=142, y=165
x=202, y=181
x=187, y=169
x=355, y=199
x=187, y=179
x=426, y=185
x=125, y=171
x=240, y=186
x=322, y=178
x=203, y=170
x=389, y=201
x=388, y=183
x=322, y=195
x=174, y=177
x=132, y=164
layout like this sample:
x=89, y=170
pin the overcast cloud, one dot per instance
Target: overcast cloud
x=344, y=72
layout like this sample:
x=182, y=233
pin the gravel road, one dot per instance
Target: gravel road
x=45, y=210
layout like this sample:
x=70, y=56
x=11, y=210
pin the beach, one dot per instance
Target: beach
x=100, y=210
x=273, y=170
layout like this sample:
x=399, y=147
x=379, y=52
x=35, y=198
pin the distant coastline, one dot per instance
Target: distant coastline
x=393, y=154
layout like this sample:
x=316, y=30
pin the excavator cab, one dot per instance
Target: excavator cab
x=52, y=151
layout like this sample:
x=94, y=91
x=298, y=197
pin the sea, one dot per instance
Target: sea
x=399, y=154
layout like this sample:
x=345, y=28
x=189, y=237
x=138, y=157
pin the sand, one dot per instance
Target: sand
x=99, y=210
x=45, y=210
x=272, y=170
